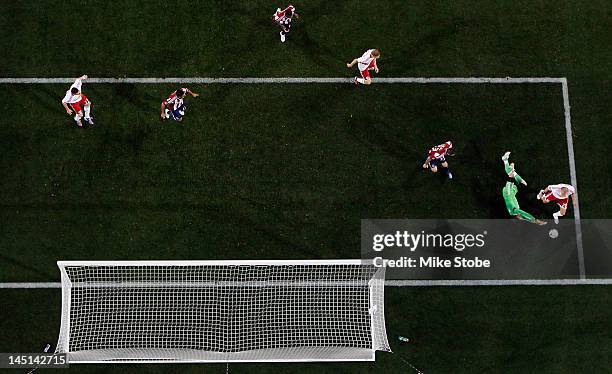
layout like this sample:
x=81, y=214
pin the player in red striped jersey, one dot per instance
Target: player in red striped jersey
x=365, y=63
x=283, y=19
x=559, y=193
x=76, y=101
x=174, y=106
x=437, y=157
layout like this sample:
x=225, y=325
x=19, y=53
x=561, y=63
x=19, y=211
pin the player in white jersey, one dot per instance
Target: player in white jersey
x=365, y=63
x=76, y=101
x=560, y=193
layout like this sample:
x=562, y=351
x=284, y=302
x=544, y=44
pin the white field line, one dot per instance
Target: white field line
x=499, y=282
x=31, y=285
x=573, y=177
x=409, y=283
x=280, y=80
x=414, y=80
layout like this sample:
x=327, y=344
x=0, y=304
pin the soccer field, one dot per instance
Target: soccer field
x=288, y=170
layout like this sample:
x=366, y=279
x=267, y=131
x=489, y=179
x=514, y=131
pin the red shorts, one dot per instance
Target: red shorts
x=77, y=106
x=365, y=74
x=561, y=202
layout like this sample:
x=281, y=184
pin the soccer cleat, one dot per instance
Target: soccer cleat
x=506, y=156
x=282, y=37
x=540, y=194
x=89, y=121
x=79, y=123
x=355, y=81
x=450, y=175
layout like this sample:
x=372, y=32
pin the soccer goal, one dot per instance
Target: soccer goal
x=221, y=311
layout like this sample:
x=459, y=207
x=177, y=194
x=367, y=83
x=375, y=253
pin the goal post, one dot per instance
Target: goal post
x=221, y=311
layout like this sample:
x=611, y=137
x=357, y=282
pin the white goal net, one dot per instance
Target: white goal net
x=221, y=311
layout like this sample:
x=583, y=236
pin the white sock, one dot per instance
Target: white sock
x=87, y=111
x=361, y=80
x=556, y=216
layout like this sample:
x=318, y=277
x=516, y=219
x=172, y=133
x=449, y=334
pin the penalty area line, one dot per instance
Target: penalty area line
x=285, y=80
x=573, y=177
x=391, y=80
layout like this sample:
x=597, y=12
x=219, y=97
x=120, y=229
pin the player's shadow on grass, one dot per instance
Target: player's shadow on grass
x=43, y=92
x=262, y=23
x=139, y=129
x=322, y=56
x=433, y=40
x=269, y=232
x=41, y=96
x=491, y=202
x=488, y=187
x=374, y=134
x=129, y=93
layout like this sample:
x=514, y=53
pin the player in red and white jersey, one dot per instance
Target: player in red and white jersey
x=437, y=157
x=174, y=106
x=283, y=19
x=560, y=193
x=76, y=101
x=365, y=63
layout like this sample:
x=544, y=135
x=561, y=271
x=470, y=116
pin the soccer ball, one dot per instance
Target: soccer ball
x=553, y=233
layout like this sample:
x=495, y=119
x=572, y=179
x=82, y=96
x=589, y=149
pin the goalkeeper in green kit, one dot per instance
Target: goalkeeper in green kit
x=510, y=190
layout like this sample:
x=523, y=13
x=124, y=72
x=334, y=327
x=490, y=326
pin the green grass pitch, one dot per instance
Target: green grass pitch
x=287, y=171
